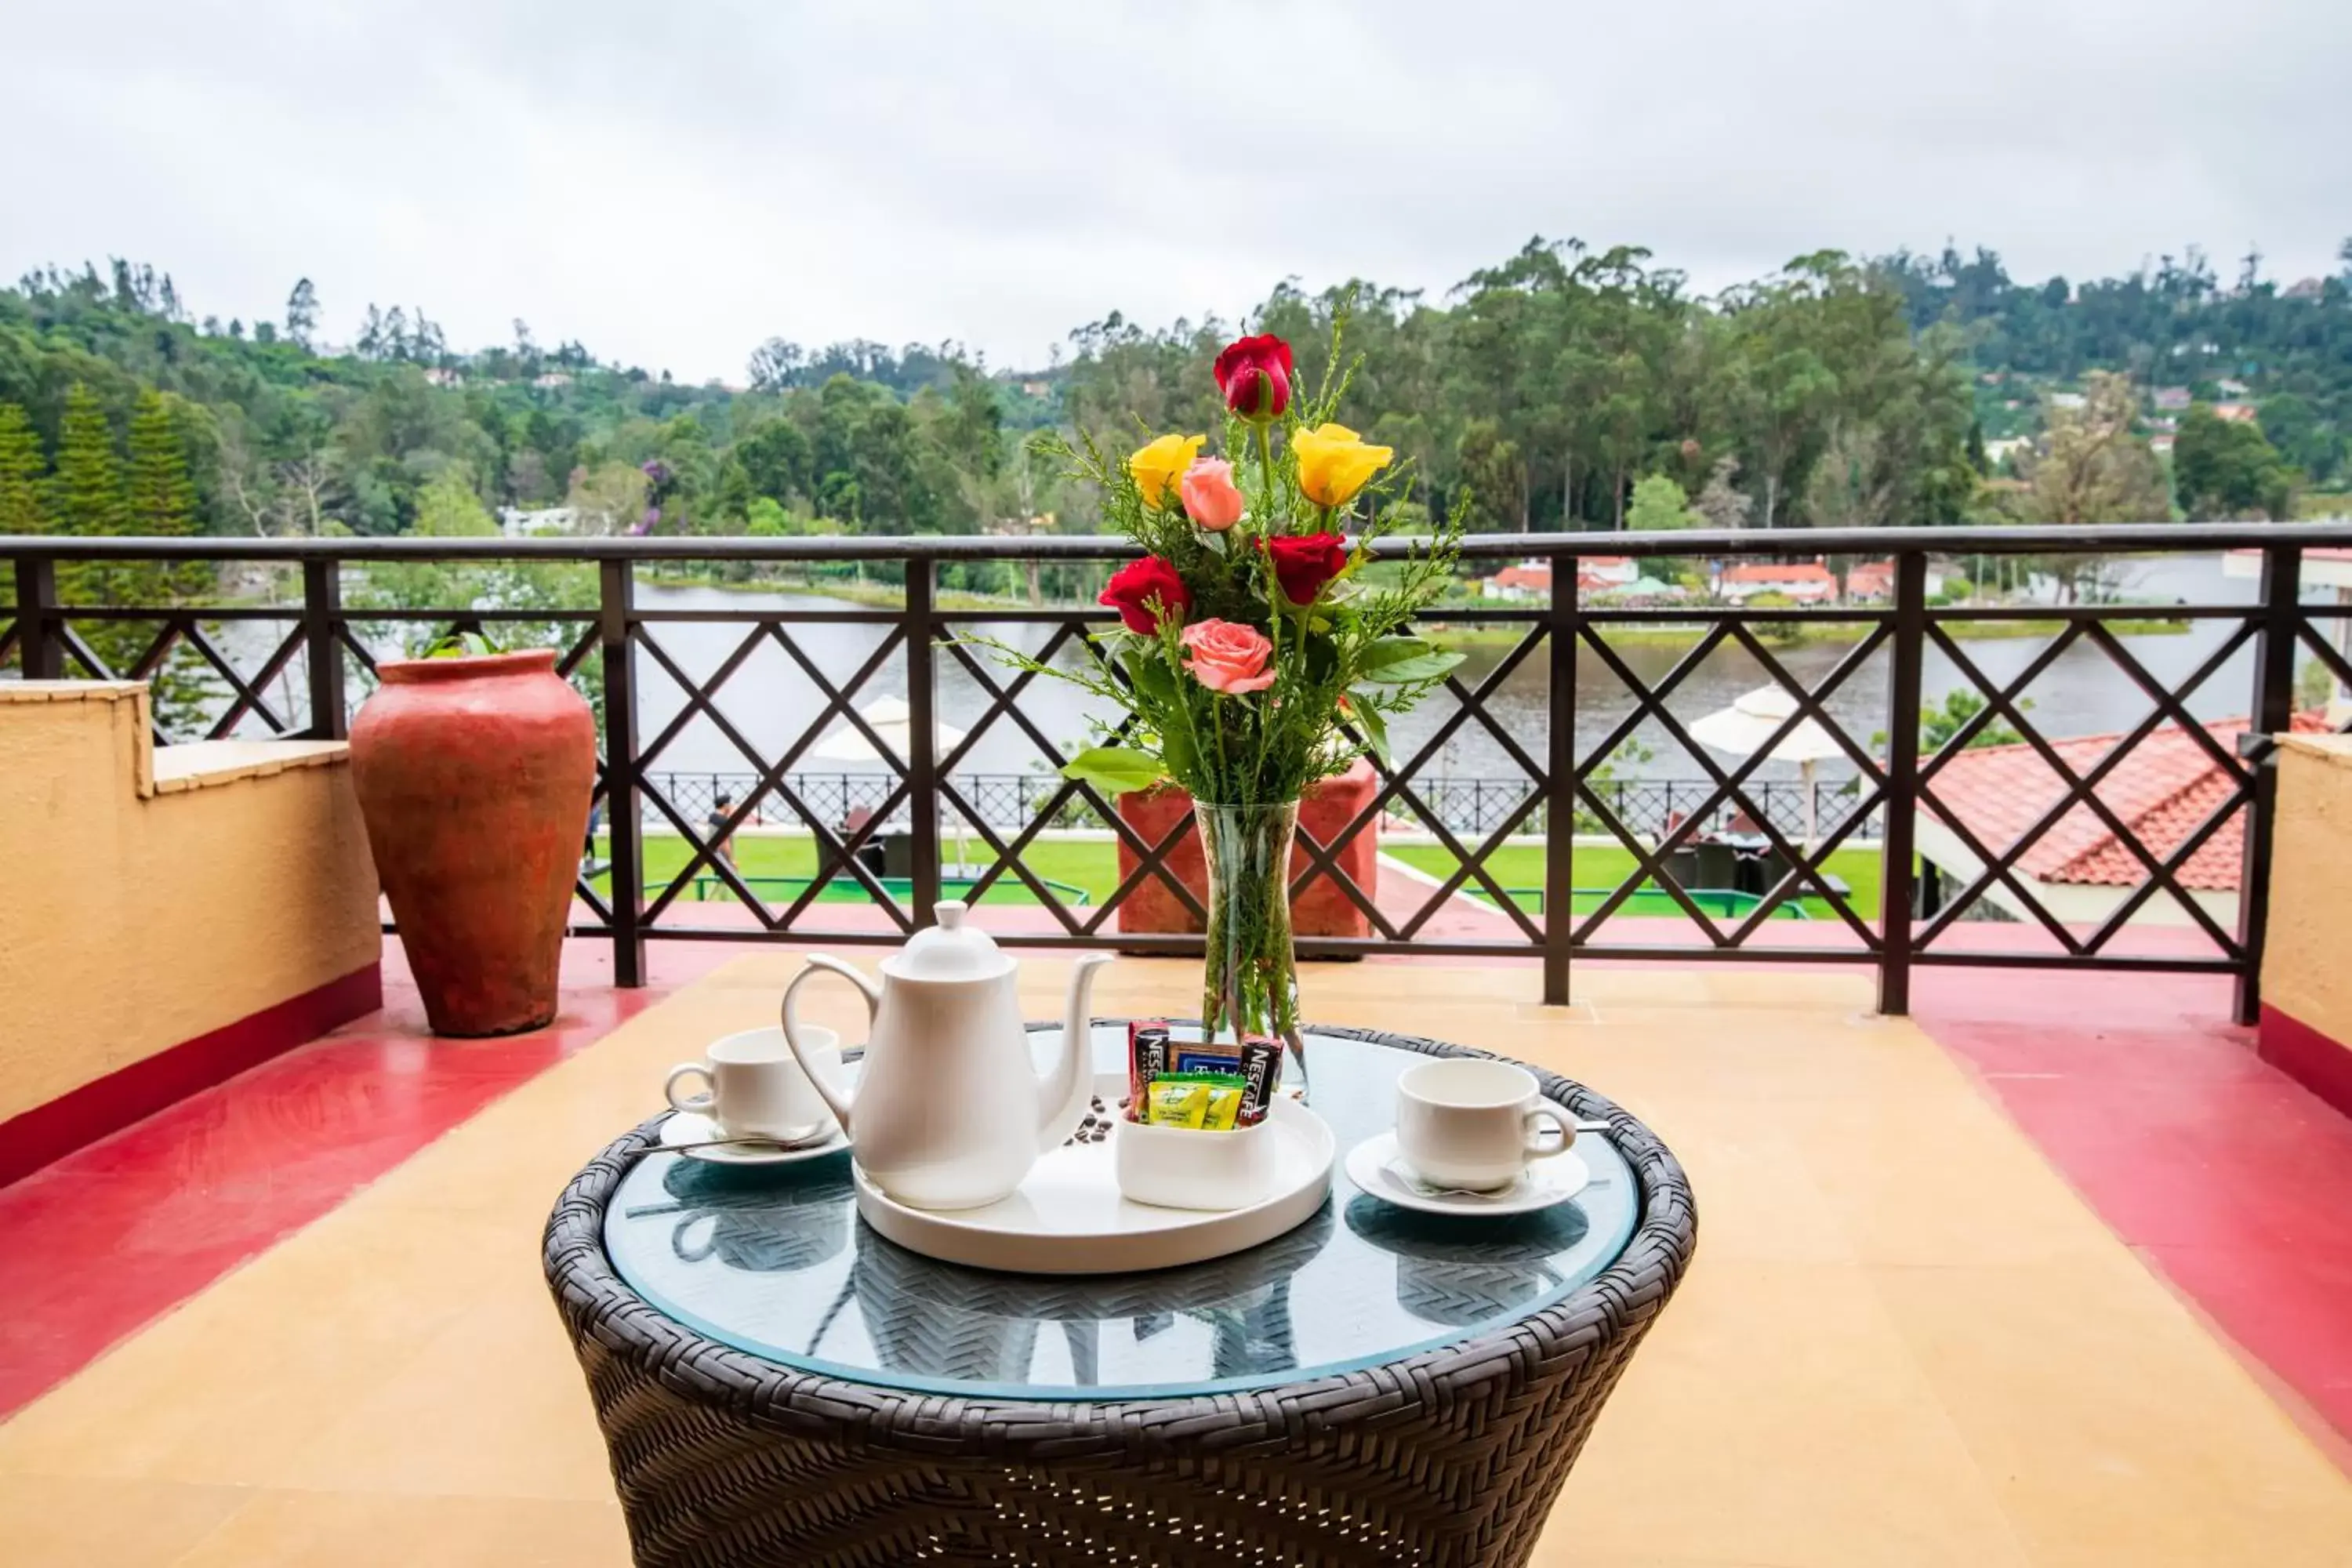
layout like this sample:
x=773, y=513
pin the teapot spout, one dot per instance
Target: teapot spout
x=1067, y=1090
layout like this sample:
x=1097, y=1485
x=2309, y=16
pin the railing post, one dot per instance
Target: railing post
x=40, y=650
x=1902, y=782
x=1559, y=785
x=615, y=600
x=322, y=617
x=2273, y=715
x=922, y=758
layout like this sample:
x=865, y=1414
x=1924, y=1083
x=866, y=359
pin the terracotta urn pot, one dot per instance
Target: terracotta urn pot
x=475, y=776
x=1322, y=908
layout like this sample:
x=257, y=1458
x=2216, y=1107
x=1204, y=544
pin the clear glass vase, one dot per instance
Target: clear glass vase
x=1251, y=985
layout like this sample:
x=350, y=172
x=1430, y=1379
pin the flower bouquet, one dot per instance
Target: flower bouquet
x=1260, y=646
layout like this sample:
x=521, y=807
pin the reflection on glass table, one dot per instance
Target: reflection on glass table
x=777, y=1263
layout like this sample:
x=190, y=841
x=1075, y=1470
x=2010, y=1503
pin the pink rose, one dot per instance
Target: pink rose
x=1211, y=498
x=1228, y=657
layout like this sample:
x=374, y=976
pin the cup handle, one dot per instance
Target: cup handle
x=694, y=1104
x=1538, y=1120
x=677, y=1243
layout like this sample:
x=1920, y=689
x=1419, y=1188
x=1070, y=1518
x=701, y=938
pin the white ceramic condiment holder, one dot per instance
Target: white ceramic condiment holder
x=1192, y=1168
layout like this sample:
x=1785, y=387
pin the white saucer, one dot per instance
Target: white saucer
x=1377, y=1167
x=689, y=1127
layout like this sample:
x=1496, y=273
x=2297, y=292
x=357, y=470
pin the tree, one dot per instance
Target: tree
x=161, y=498
x=607, y=499
x=1851, y=486
x=22, y=509
x=303, y=312
x=1660, y=505
x=2092, y=466
x=1722, y=503
x=2303, y=435
x=2225, y=468
x=776, y=364
x=1495, y=475
x=85, y=489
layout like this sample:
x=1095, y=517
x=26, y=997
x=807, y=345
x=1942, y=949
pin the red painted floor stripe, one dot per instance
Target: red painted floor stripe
x=107, y=1239
x=2229, y=1178
x=82, y=1116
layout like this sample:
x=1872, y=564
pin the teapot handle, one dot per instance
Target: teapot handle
x=835, y=1100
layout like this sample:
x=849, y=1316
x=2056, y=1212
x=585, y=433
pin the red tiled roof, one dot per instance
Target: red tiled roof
x=1529, y=577
x=2163, y=790
x=1779, y=572
x=1871, y=577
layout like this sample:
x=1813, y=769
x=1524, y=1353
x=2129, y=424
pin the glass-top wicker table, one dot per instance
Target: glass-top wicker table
x=780, y=1385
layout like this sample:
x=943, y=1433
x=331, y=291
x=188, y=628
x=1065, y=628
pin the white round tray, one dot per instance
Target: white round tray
x=1068, y=1217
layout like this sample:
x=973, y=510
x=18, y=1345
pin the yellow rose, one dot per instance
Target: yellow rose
x=1334, y=463
x=1158, y=467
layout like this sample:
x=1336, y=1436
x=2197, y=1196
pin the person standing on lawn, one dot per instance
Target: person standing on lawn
x=723, y=837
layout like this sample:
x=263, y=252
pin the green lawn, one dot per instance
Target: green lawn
x=1093, y=868
x=1519, y=866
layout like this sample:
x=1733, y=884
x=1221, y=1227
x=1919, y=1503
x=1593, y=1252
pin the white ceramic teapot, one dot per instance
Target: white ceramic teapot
x=948, y=1113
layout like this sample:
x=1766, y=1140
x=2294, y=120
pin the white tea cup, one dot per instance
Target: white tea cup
x=1473, y=1123
x=752, y=1085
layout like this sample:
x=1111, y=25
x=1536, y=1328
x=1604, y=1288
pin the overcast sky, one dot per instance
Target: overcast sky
x=671, y=185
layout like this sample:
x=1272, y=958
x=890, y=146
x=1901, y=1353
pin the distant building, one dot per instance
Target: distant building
x=1532, y=579
x=2079, y=871
x=2236, y=413
x=1036, y=388
x=551, y=379
x=1872, y=582
x=1527, y=580
x=2065, y=400
x=516, y=522
x=1805, y=582
x=1999, y=452
x=437, y=375
x=2308, y=288
x=2229, y=388
x=2171, y=399
x=2161, y=442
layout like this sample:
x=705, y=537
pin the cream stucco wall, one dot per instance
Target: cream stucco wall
x=2308, y=955
x=150, y=895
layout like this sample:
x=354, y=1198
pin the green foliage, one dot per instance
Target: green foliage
x=161, y=498
x=1937, y=725
x=1660, y=505
x=22, y=507
x=2225, y=468
x=85, y=487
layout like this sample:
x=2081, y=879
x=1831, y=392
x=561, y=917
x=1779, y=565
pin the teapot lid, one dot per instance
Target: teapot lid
x=948, y=950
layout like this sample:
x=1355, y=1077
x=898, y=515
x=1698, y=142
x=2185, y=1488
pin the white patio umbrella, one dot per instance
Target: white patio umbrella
x=892, y=720
x=1747, y=723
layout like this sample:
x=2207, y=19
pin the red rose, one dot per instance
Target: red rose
x=1304, y=562
x=1137, y=587
x=1254, y=374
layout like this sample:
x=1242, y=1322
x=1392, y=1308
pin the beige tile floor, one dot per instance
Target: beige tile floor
x=1904, y=1342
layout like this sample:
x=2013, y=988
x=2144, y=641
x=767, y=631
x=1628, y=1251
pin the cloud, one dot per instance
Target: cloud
x=670, y=188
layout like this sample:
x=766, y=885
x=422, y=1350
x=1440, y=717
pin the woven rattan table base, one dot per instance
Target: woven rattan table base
x=1450, y=1457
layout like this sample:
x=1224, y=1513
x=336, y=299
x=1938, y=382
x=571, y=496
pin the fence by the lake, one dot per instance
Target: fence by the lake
x=1475, y=805
x=312, y=656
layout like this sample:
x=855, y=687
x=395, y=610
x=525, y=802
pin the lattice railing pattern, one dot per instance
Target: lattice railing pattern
x=240, y=668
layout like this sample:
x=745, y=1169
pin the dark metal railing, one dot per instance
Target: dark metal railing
x=321, y=655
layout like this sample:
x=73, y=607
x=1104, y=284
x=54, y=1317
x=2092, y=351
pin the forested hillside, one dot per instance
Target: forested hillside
x=1541, y=391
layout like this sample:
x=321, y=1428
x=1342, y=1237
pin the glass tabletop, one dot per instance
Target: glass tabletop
x=778, y=1263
